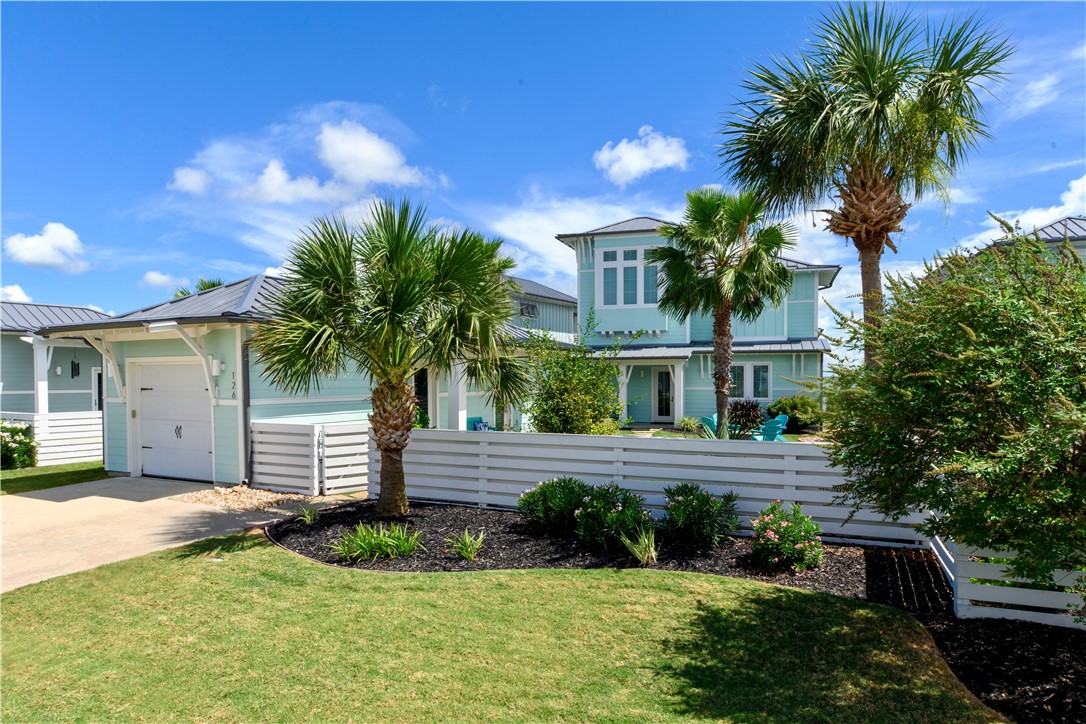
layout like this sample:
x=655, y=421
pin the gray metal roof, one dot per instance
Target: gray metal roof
x=27, y=317
x=245, y=300
x=684, y=351
x=536, y=289
x=1072, y=228
x=636, y=225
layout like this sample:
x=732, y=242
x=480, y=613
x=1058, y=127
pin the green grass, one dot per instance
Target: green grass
x=234, y=629
x=27, y=479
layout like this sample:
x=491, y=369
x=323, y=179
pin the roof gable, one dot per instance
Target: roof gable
x=1072, y=228
x=26, y=316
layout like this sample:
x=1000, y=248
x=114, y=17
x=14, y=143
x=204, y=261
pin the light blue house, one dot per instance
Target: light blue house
x=182, y=386
x=666, y=373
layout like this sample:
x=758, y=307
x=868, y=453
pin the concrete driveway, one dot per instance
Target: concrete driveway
x=48, y=533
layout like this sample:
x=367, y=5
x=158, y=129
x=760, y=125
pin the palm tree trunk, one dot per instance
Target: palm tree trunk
x=391, y=420
x=871, y=285
x=722, y=364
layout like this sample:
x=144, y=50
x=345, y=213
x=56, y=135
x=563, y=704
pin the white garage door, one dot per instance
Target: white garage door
x=175, y=422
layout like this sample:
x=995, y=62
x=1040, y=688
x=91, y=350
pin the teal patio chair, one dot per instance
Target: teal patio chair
x=769, y=432
x=473, y=421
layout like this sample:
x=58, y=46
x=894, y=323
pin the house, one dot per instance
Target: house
x=666, y=373
x=1069, y=228
x=183, y=387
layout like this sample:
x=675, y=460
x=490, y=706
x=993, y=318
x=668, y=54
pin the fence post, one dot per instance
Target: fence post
x=318, y=458
x=484, y=476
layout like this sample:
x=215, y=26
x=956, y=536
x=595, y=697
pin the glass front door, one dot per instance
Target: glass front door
x=663, y=397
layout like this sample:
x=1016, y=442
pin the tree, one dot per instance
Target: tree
x=722, y=260
x=976, y=406
x=387, y=299
x=880, y=110
x=202, y=285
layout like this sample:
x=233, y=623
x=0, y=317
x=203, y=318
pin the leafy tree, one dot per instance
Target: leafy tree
x=976, y=404
x=722, y=260
x=573, y=386
x=388, y=299
x=202, y=285
x=880, y=110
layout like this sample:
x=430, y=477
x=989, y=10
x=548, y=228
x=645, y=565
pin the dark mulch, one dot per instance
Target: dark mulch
x=1028, y=672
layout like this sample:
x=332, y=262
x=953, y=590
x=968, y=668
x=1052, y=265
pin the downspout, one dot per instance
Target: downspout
x=246, y=422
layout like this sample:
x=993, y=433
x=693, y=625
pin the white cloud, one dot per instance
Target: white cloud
x=96, y=308
x=275, y=186
x=1034, y=95
x=190, y=180
x=361, y=157
x=14, y=293
x=1072, y=203
x=158, y=279
x=626, y=161
x=56, y=247
x=275, y=271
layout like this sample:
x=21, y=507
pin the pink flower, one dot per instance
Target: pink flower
x=800, y=545
x=784, y=523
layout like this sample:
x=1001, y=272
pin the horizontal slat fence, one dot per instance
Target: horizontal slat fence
x=64, y=437
x=971, y=574
x=310, y=458
x=494, y=468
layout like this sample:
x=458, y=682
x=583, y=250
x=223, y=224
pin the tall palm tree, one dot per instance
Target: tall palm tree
x=881, y=110
x=202, y=285
x=722, y=260
x=388, y=299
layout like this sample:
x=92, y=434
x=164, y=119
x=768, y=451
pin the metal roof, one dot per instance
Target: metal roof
x=536, y=289
x=1072, y=228
x=245, y=300
x=684, y=351
x=26, y=317
x=636, y=225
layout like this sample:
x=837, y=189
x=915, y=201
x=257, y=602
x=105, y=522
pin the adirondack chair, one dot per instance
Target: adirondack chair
x=472, y=421
x=710, y=422
x=769, y=432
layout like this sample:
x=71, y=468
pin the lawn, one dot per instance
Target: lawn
x=234, y=629
x=27, y=479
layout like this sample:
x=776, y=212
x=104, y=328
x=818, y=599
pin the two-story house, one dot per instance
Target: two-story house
x=666, y=373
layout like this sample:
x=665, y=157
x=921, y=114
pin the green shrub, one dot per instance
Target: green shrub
x=697, y=519
x=688, y=424
x=609, y=426
x=309, y=514
x=466, y=545
x=975, y=404
x=785, y=539
x=802, y=411
x=745, y=415
x=549, y=507
x=422, y=420
x=607, y=514
x=643, y=546
x=369, y=542
x=18, y=448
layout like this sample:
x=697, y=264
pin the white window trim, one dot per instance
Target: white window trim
x=654, y=391
x=748, y=380
x=619, y=264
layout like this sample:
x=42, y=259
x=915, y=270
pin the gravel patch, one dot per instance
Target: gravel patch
x=242, y=497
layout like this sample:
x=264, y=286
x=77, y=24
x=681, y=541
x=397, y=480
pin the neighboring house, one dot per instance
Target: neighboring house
x=39, y=376
x=666, y=373
x=1070, y=228
x=183, y=387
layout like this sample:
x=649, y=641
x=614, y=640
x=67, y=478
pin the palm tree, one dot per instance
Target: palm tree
x=722, y=260
x=387, y=299
x=202, y=285
x=881, y=110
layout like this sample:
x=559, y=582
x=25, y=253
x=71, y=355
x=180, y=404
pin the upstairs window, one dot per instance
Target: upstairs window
x=529, y=311
x=625, y=280
x=651, y=285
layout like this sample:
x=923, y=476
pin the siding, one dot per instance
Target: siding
x=67, y=393
x=227, y=453
x=552, y=315
x=639, y=394
x=116, y=442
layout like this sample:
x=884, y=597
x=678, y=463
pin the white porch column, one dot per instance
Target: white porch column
x=458, y=398
x=41, y=376
x=623, y=389
x=678, y=380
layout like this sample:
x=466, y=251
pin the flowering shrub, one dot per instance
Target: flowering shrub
x=695, y=518
x=609, y=513
x=786, y=539
x=18, y=448
x=548, y=507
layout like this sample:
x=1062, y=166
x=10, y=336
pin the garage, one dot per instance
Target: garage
x=175, y=427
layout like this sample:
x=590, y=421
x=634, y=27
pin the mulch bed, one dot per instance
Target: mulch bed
x=1028, y=672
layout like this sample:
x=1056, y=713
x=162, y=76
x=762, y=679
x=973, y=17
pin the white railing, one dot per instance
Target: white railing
x=309, y=458
x=971, y=574
x=64, y=437
x=494, y=468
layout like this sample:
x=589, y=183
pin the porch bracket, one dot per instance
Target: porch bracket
x=105, y=349
x=196, y=345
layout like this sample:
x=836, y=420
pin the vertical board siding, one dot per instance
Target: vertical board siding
x=65, y=437
x=975, y=597
x=494, y=468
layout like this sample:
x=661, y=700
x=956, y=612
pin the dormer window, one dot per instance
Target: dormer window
x=529, y=310
x=625, y=280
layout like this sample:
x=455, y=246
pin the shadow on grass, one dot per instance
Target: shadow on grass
x=26, y=480
x=214, y=547
x=788, y=655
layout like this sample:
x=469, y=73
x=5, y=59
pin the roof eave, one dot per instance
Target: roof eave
x=61, y=329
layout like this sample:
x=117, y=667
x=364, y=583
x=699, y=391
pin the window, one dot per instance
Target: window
x=738, y=387
x=610, y=285
x=651, y=284
x=761, y=382
x=629, y=255
x=529, y=311
x=610, y=256
x=629, y=284
x=749, y=382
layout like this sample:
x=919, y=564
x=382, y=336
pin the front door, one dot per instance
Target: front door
x=175, y=422
x=662, y=396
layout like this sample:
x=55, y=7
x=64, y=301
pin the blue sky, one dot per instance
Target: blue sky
x=145, y=145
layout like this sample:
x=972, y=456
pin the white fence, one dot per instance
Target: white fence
x=971, y=573
x=64, y=437
x=310, y=458
x=494, y=468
